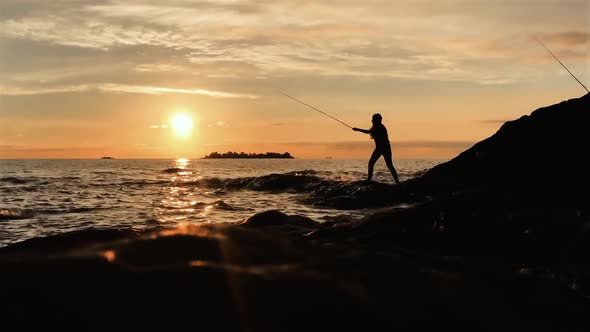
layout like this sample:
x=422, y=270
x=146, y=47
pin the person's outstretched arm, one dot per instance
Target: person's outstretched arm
x=365, y=131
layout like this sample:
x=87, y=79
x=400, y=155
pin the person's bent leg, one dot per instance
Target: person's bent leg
x=389, y=163
x=376, y=154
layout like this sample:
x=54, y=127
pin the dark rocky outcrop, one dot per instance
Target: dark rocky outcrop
x=543, y=151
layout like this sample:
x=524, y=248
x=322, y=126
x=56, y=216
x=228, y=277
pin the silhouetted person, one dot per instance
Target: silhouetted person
x=378, y=133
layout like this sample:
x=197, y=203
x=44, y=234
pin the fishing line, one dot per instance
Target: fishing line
x=324, y=113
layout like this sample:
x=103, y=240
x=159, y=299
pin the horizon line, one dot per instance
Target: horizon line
x=196, y=158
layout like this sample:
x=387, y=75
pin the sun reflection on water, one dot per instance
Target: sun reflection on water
x=178, y=204
x=182, y=163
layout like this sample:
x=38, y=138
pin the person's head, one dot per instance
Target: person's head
x=376, y=118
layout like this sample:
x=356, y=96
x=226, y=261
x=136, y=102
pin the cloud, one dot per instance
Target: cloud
x=14, y=149
x=495, y=122
x=158, y=68
x=163, y=126
x=150, y=42
x=568, y=38
x=17, y=91
x=223, y=76
x=153, y=90
x=119, y=88
x=217, y=124
x=434, y=144
x=357, y=145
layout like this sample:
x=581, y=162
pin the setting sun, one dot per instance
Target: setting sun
x=182, y=124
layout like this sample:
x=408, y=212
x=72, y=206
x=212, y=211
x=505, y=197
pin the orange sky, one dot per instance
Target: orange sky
x=88, y=79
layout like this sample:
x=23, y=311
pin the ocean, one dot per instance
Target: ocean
x=48, y=197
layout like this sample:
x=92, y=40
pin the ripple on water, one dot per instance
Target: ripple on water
x=54, y=196
x=14, y=213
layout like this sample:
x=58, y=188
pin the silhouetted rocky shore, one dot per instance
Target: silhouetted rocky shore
x=497, y=239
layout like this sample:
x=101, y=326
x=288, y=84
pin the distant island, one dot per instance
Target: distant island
x=107, y=158
x=243, y=155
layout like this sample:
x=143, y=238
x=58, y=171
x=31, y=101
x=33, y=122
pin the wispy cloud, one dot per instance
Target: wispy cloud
x=20, y=91
x=119, y=88
x=7, y=149
x=217, y=124
x=153, y=90
x=366, y=146
x=223, y=76
x=568, y=38
x=495, y=122
x=152, y=68
x=435, y=144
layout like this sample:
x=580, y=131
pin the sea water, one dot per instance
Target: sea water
x=47, y=197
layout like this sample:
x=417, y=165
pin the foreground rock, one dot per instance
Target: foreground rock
x=250, y=278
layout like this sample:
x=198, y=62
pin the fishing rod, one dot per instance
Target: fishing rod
x=563, y=65
x=324, y=113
